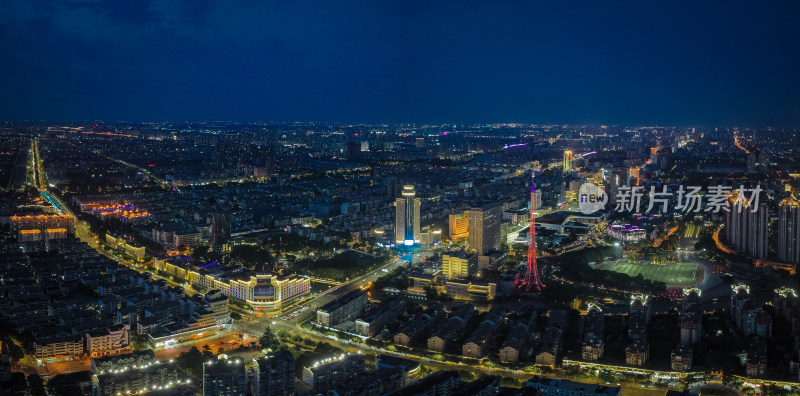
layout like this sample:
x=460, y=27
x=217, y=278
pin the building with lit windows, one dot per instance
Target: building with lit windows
x=459, y=264
x=567, y=165
x=459, y=226
x=788, y=248
x=31, y=228
x=276, y=375
x=407, y=227
x=224, y=377
x=264, y=292
x=484, y=228
x=349, y=306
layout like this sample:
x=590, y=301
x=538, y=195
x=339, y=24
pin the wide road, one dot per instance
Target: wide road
x=474, y=366
x=255, y=325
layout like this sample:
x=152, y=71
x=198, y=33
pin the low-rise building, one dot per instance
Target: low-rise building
x=550, y=348
x=349, y=306
x=443, y=383
x=516, y=342
x=375, y=320
x=108, y=341
x=471, y=290
x=557, y=387
x=459, y=264
x=60, y=346
x=681, y=358
x=756, y=363
x=134, y=360
x=410, y=369
x=478, y=344
x=637, y=353
x=155, y=377
x=446, y=334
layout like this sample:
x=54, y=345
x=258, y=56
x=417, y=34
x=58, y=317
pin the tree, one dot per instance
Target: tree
x=36, y=385
x=139, y=342
x=430, y=292
x=67, y=384
x=252, y=257
x=13, y=350
x=269, y=339
x=199, y=253
x=191, y=363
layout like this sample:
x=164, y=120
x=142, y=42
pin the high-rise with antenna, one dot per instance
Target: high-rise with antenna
x=532, y=279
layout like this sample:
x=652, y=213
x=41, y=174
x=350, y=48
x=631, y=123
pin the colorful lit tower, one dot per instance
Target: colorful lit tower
x=532, y=279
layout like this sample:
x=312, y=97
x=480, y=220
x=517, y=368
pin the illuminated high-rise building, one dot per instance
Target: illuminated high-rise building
x=407, y=217
x=220, y=231
x=568, y=164
x=459, y=226
x=789, y=231
x=484, y=228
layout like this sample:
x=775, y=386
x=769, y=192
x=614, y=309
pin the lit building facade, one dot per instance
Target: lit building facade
x=264, y=292
x=484, y=228
x=457, y=265
x=567, y=165
x=407, y=227
x=459, y=226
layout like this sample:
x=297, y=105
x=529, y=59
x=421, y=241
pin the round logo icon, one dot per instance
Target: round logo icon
x=591, y=198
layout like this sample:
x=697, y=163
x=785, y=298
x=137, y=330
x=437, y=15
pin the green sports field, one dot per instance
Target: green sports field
x=671, y=274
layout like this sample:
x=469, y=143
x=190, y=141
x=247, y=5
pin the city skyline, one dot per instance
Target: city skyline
x=399, y=198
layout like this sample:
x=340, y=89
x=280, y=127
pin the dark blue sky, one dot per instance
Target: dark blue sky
x=629, y=62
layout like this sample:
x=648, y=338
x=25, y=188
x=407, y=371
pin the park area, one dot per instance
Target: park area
x=672, y=274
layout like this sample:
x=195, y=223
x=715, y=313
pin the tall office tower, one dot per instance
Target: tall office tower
x=789, y=231
x=420, y=142
x=567, y=164
x=224, y=377
x=758, y=232
x=407, y=217
x=484, y=228
x=220, y=230
x=276, y=375
x=459, y=226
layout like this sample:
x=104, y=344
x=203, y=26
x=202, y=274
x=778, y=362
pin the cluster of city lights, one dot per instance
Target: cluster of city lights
x=128, y=214
x=135, y=367
x=331, y=359
x=157, y=387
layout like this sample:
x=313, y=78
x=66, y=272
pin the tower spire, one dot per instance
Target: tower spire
x=532, y=279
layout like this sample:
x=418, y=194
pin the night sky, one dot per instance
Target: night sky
x=713, y=63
